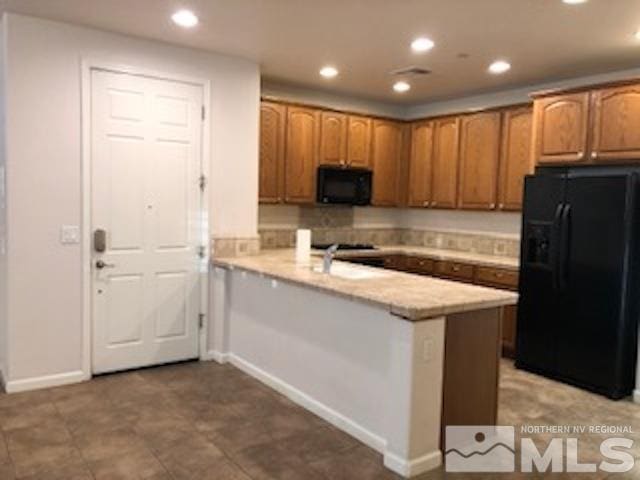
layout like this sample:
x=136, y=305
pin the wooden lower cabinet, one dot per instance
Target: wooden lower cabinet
x=454, y=270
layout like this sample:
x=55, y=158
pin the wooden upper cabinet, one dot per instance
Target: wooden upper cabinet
x=561, y=124
x=616, y=124
x=333, y=139
x=300, y=157
x=359, y=142
x=515, y=159
x=421, y=158
x=386, y=151
x=272, y=135
x=479, y=158
x=444, y=185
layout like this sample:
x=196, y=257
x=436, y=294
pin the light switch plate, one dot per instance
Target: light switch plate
x=69, y=234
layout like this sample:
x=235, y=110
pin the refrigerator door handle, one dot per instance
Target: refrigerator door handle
x=563, y=253
x=556, y=242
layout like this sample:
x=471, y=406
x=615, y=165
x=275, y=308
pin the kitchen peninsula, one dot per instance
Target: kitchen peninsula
x=387, y=356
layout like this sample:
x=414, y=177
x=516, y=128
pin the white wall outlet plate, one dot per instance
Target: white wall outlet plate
x=69, y=234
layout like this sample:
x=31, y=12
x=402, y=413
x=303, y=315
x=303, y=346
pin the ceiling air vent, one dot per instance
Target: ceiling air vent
x=410, y=71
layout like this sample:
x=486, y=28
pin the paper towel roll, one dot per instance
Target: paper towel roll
x=303, y=246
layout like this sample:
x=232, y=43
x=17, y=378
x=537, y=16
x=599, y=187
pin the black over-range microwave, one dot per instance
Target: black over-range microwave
x=346, y=186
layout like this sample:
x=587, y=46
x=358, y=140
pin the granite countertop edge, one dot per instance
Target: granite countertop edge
x=414, y=306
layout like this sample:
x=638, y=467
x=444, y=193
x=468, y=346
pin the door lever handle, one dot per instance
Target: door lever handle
x=100, y=265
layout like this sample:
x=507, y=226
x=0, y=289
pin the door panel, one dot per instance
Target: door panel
x=539, y=307
x=616, y=119
x=420, y=169
x=515, y=159
x=272, y=140
x=444, y=186
x=333, y=139
x=145, y=154
x=387, y=144
x=359, y=142
x=300, y=157
x=560, y=128
x=589, y=331
x=479, y=156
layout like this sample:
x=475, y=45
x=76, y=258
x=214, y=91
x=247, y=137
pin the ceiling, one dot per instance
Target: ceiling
x=366, y=39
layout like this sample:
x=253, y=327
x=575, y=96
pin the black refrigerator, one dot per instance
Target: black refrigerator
x=579, y=289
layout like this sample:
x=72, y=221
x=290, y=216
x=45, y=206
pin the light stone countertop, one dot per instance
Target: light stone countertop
x=412, y=297
x=471, y=258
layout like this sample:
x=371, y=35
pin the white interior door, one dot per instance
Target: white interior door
x=145, y=169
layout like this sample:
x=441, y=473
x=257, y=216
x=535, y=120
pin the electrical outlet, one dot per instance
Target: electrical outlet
x=427, y=349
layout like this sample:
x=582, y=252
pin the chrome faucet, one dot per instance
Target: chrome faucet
x=328, y=258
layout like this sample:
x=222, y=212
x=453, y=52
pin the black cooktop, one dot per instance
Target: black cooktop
x=345, y=246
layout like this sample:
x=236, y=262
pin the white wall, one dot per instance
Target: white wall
x=510, y=97
x=494, y=223
x=3, y=210
x=331, y=100
x=44, y=172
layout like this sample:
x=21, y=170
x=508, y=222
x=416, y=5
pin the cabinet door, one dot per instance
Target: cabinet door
x=420, y=164
x=616, y=124
x=444, y=184
x=509, y=326
x=333, y=139
x=560, y=128
x=300, y=157
x=272, y=134
x=359, y=142
x=515, y=159
x=479, y=158
x=387, y=145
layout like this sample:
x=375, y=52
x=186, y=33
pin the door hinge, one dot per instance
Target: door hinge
x=201, y=251
x=201, y=321
x=202, y=181
x=204, y=114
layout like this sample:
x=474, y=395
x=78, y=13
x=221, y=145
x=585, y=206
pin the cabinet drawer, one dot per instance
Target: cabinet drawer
x=395, y=262
x=420, y=265
x=497, y=277
x=454, y=270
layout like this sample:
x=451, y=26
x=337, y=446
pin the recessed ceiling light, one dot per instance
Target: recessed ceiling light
x=637, y=35
x=574, y=2
x=499, y=66
x=401, y=87
x=422, y=44
x=185, y=18
x=329, y=72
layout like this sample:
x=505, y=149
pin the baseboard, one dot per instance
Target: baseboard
x=636, y=395
x=215, y=356
x=411, y=468
x=326, y=413
x=3, y=386
x=15, y=386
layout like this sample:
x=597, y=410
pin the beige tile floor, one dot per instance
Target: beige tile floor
x=202, y=421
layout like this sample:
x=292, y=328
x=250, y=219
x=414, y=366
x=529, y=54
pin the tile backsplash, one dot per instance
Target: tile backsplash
x=499, y=245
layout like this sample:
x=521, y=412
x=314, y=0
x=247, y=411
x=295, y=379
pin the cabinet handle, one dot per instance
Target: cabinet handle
x=580, y=155
x=501, y=206
x=492, y=206
x=499, y=274
x=455, y=268
x=594, y=155
x=425, y=204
